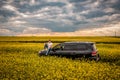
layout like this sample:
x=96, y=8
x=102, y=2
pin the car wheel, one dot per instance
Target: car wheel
x=98, y=57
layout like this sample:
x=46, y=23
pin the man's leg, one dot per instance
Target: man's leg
x=48, y=51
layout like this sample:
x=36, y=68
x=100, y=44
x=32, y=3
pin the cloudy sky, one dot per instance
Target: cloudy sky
x=60, y=17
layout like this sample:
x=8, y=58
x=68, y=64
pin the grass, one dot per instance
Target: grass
x=21, y=61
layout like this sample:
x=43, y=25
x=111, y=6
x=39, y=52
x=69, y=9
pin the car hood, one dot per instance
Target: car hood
x=42, y=51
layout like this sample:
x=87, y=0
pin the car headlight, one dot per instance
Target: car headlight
x=39, y=52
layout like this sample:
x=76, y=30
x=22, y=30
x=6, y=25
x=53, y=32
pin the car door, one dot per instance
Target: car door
x=57, y=50
x=67, y=49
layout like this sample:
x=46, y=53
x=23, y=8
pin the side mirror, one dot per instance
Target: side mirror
x=62, y=47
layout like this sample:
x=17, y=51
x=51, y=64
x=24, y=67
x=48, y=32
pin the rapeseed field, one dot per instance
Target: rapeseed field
x=20, y=60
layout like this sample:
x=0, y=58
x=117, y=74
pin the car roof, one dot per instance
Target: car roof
x=80, y=42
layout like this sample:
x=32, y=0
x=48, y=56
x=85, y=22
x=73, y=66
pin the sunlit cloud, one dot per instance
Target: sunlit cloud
x=9, y=7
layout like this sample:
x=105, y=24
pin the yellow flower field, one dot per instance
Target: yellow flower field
x=20, y=60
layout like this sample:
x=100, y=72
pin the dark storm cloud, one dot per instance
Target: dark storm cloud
x=96, y=13
x=76, y=1
x=6, y=13
x=57, y=16
x=27, y=7
x=15, y=29
x=54, y=26
x=116, y=6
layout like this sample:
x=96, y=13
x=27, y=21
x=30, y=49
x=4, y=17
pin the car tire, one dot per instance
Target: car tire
x=98, y=57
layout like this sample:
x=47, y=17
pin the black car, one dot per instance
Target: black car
x=75, y=50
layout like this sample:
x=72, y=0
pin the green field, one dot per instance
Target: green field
x=19, y=60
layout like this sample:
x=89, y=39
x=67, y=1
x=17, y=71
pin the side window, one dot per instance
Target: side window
x=91, y=47
x=82, y=47
x=70, y=47
x=77, y=47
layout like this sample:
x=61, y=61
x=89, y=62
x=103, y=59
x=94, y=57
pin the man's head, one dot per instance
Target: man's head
x=49, y=40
